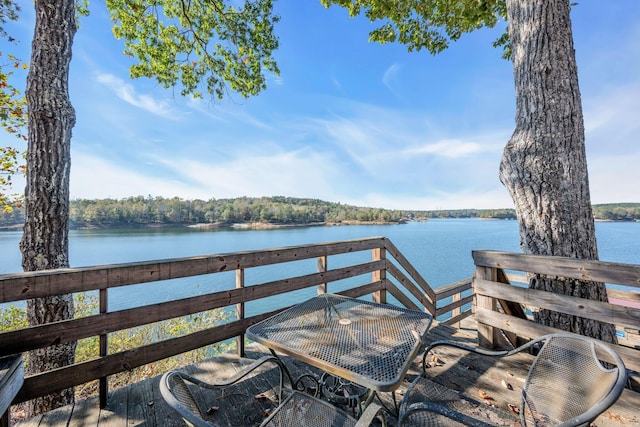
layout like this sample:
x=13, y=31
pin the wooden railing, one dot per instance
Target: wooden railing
x=386, y=271
x=385, y=274
x=501, y=299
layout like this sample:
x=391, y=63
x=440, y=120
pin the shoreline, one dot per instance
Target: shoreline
x=270, y=226
x=216, y=226
x=260, y=225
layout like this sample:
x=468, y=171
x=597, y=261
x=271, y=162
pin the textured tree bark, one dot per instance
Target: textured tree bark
x=544, y=163
x=44, y=244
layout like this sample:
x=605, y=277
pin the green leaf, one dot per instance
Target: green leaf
x=427, y=24
x=199, y=45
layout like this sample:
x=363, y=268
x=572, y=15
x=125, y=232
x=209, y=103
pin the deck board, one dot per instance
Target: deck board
x=241, y=405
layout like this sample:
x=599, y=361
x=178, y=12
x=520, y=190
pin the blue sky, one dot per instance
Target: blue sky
x=347, y=120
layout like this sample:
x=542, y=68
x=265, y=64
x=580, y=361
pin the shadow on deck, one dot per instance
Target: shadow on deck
x=249, y=401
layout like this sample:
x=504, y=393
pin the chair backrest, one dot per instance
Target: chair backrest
x=176, y=393
x=567, y=384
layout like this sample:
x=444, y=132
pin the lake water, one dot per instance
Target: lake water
x=439, y=249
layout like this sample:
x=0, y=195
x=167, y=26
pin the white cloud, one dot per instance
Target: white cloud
x=484, y=198
x=95, y=178
x=297, y=173
x=389, y=75
x=127, y=92
x=227, y=113
x=453, y=148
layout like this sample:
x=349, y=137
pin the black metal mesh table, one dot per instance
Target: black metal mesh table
x=368, y=343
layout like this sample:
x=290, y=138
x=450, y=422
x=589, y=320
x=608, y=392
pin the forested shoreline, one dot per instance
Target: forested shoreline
x=265, y=212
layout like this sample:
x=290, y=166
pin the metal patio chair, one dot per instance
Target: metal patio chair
x=566, y=385
x=298, y=409
x=303, y=410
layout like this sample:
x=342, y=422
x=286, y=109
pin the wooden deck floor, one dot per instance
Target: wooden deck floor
x=247, y=403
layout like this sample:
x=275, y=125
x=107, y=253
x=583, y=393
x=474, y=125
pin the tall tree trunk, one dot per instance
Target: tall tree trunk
x=544, y=164
x=45, y=242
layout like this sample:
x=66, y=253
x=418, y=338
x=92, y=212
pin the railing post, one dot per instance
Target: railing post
x=240, y=312
x=487, y=335
x=456, y=311
x=379, y=275
x=103, y=382
x=322, y=267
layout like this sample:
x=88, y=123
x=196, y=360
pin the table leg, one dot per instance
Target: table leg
x=300, y=383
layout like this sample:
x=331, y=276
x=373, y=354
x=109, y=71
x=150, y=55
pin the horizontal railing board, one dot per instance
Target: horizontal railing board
x=404, y=263
x=624, y=295
x=599, y=271
x=530, y=329
x=21, y=286
x=457, y=318
x=362, y=290
x=62, y=378
x=71, y=330
x=590, y=309
x=454, y=288
x=455, y=304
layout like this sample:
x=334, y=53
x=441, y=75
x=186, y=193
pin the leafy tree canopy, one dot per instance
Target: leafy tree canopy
x=199, y=43
x=429, y=24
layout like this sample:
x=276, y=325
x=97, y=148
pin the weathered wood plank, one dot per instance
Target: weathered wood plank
x=529, y=329
x=115, y=413
x=21, y=286
x=512, y=309
x=60, y=417
x=11, y=380
x=164, y=414
x=139, y=407
x=487, y=335
x=590, y=309
x=454, y=288
x=379, y=254
x=86, y=412
x=633, y=297
x=458, y=317
x=75, y=329
x=455, y=304
x=599, y=271
x=80, y=373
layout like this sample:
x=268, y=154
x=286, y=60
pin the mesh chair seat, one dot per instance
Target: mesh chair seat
x=303, y=410
x=178, y=395
x=297, y=410
x=444, y=407
x=300, y=409
x=567, y=385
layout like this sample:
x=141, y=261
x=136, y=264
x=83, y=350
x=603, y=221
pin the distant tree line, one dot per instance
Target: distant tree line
x=617, y=211
x=471, y=213
x=604, y=212
x=147, y=211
